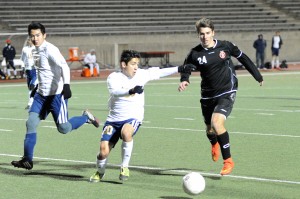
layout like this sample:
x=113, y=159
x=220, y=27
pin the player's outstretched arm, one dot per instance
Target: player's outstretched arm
x=187, y=68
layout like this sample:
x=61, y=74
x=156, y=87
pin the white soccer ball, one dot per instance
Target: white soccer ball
x=193, y=183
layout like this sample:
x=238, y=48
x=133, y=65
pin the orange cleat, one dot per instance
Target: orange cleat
x=215, y=152
x=228, y=167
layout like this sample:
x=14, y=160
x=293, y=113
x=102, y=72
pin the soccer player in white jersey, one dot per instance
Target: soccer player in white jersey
x=27, y=58
x=126, y=108
x=51, y=96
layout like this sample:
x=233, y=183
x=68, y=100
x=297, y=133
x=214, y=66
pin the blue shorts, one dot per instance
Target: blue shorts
x=112, y=130
x=56, y=104
x=275, y=51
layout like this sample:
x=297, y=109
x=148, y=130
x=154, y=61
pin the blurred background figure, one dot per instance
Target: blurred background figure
x=260, y=45
x=90, y=60
x=9, y=53
x=28, y=59
x=276, y=45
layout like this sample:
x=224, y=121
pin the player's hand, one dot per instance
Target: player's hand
x=67, y=91
x=136, y=89
x=187, y=68
x=183, y=85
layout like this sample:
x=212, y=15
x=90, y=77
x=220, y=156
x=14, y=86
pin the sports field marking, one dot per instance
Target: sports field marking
x=5, y=130
x=103, y=81
x=243, y=133
x=184, y=119
x=178, y=129
x=264, y=114
x=164, y=169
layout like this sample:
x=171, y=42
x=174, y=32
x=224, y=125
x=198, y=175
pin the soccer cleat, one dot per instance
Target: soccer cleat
x=23, y=163
x=124, y=173
x=215, y=152
x=228, y=167
x=91, y=119
x=97, y=177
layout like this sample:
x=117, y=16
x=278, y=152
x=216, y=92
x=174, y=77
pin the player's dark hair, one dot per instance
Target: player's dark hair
x=127, y=55
x=204, y=23
x=36, y=25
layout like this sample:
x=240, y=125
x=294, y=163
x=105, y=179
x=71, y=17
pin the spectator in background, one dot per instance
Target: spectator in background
x=90, y=61
x=260, y=44
x=9, y=53
x=27, y=58
x=276, y=45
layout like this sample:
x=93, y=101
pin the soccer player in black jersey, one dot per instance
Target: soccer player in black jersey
x=219, y=84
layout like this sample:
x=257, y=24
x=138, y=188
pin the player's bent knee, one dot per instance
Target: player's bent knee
x=64, y=128
x=32, y=122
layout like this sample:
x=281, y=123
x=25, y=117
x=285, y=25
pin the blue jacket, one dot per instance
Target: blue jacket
x=9, y=52
x=260, y=45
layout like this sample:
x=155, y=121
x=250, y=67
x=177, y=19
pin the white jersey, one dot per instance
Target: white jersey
x=123, y=106
x=52, y=69
x=89, y=59
x=27, y=57
x=276, y=41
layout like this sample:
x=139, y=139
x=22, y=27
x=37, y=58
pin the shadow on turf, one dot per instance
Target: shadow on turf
x=51, y=172
x=54, y=167
x=171, y=172
x=174, y=197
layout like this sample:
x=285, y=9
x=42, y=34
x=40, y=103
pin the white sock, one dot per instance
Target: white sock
x=126, y=153
x=101, y=164
x=277, y=63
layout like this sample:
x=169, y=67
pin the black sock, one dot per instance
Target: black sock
x=223, y=140
x=212, y=137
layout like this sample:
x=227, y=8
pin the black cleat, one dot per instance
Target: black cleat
x=23, y=163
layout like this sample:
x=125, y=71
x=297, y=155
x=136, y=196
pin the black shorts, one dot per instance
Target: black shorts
x=222, y=104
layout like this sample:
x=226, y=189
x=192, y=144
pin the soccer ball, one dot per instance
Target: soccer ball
x=193, y=183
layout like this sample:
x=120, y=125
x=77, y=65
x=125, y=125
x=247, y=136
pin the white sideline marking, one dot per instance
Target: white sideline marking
x=264, y=114
x=5, y=130
x=183, y=118
x=164, y=169
x=243, y=133
x=179, y=129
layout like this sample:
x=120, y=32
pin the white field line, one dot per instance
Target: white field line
x=168, y=128
x=196, y=77
x=164, y=169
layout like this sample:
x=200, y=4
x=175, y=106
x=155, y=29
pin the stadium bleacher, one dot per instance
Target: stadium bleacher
x=291, y=7
x=150, y=25
x=141, y=16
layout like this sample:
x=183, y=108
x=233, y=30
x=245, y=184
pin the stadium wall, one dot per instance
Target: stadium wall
x=179, y=43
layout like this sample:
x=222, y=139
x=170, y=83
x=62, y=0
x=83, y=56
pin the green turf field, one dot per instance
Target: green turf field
x=263, y=127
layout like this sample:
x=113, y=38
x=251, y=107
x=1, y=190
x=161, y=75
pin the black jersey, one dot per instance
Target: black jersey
x=216, y=68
